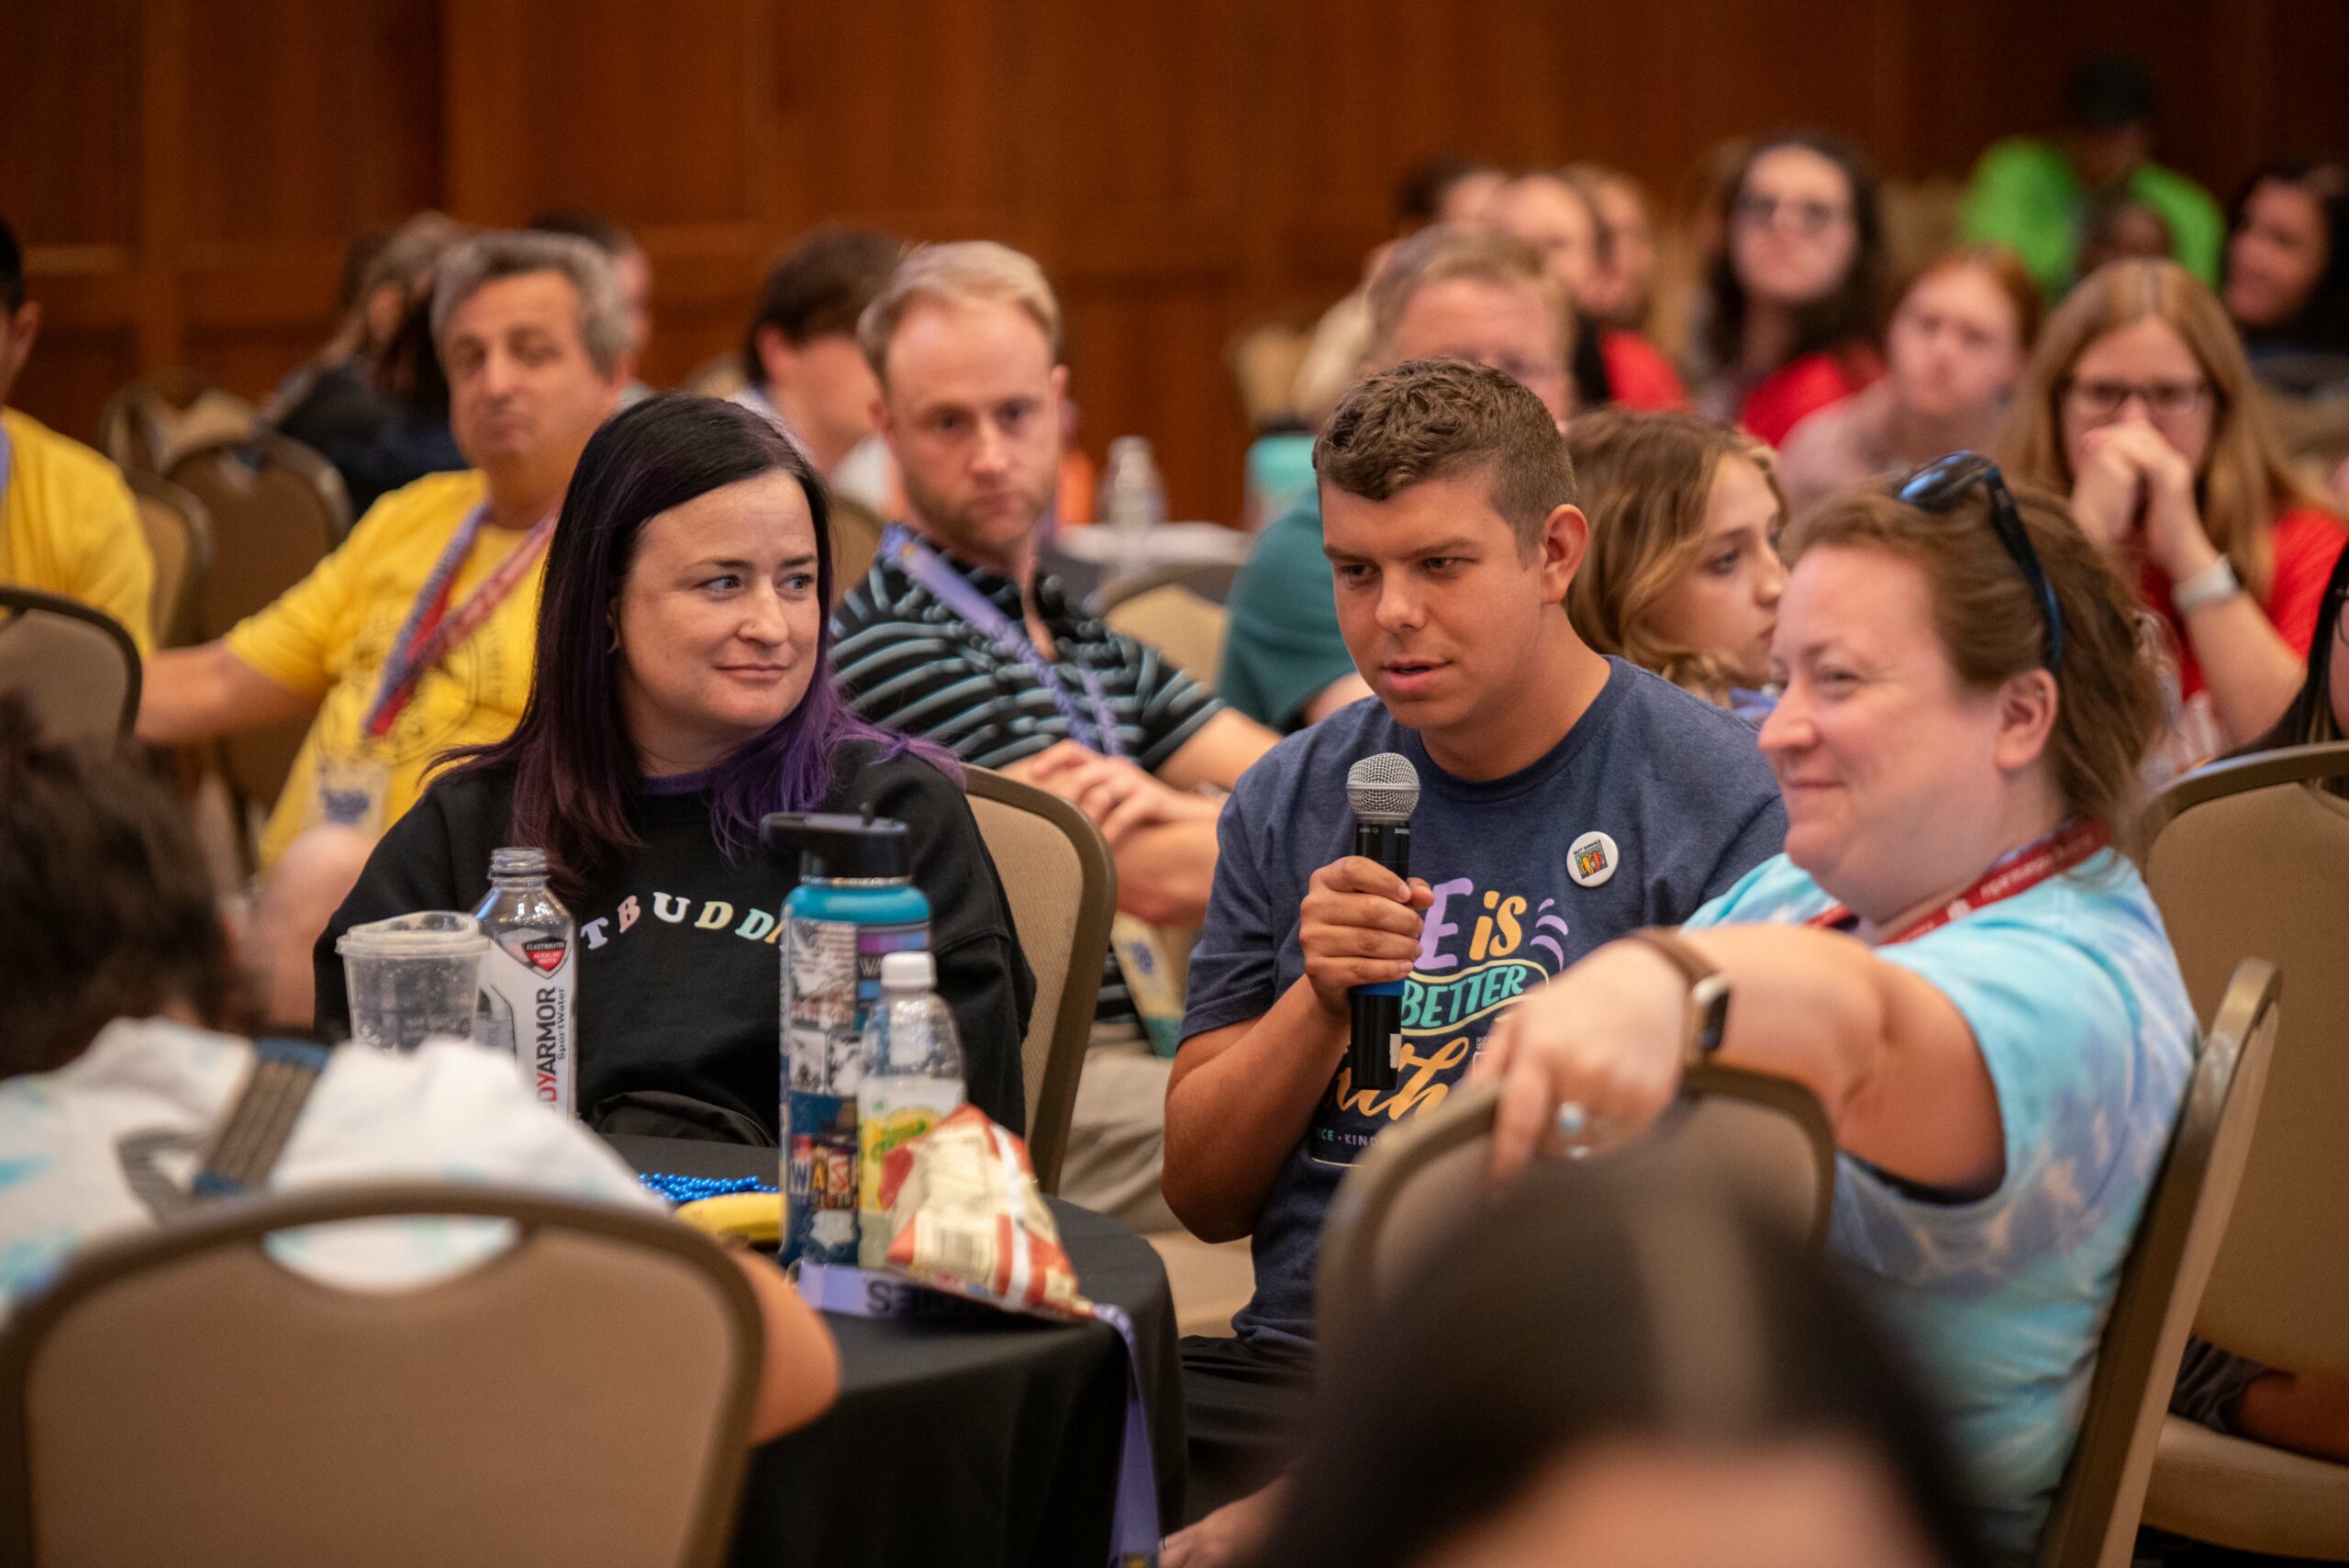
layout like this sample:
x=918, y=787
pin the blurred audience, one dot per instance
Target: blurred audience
x=1687, y=252
x=68, y=523
x=2032, y=193
x=1682, y=576
x=1560, y=219
x=2139, y=404
x=2286, y=275
x=1795, y=293
x=632, y=273
x=2118, y=226
x=374, y=401
x=803, y=369
x=415, y=634
x=687, y=694
x=1953, y=953
x=1447, y=190
x=1621, y=291
x=1591, y=1372
x=1457, y=291
x=118, y=1071
x=956, y=636
x=1956, y=346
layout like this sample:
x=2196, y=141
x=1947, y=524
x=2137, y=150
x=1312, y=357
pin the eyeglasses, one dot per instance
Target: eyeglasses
x=1809, y=218
x=2163, y=399
x=1938, y=486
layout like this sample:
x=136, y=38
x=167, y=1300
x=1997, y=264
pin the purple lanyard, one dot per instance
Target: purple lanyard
x=930, y=570
x=8, y=458
x=1133, y=1521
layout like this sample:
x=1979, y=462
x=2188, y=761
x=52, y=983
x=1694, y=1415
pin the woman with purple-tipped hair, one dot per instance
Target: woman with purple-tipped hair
x=684, y=691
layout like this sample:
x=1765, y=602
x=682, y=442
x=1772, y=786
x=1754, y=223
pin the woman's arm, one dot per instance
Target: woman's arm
x=1892, y=1059
x=2252, y=671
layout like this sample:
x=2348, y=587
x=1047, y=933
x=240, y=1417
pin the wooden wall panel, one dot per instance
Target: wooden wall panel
x=186, y=173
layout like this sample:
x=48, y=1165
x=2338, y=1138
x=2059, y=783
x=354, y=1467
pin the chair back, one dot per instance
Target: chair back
x=1182, y=624
x=1419, y=1181
x=150, y=423
x=276, y=508
x=1063, y=890
x=75, y=667
x=583, y=1397
x=178, y=534
x=2251, y=859
x=2094, y=1521
x=856, y=540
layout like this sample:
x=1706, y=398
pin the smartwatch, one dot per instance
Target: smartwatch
x=1707, y=991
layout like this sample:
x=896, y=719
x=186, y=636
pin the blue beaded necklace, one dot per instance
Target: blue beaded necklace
x=689, y=1189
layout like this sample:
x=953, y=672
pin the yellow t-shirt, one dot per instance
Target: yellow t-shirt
x=68, y=525
x=330, y=634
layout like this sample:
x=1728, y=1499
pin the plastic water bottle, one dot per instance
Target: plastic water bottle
x=529, y=976
x=1133, y=498
x=913, y=1081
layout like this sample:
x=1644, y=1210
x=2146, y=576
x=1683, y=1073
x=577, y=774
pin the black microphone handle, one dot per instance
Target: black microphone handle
x=1375, y=1043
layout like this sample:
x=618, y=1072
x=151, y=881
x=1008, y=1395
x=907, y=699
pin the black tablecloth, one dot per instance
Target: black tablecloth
x=986, y=1441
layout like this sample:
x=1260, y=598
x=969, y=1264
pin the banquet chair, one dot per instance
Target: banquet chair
x=2094, y=1521
x=1183, y=623
x=277, y=508
x=1063, y=889
x=2251, y=856
x=178, y=534
x=73, y=666
x=148, y=423
x=582, y=1398
x=1766, y=1135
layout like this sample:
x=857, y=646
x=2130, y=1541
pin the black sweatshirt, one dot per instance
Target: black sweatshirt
x=680, y=976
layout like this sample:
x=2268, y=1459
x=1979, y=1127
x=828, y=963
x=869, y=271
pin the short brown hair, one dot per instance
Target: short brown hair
x=1452, y=250
x=1430, y=420
x=111, y=912
x=966, y=273
x=819, y=288
x=1647, y=483
x=2108, y=703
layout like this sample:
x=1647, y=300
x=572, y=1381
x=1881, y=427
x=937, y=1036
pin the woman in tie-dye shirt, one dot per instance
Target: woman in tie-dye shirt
x=1951, y=953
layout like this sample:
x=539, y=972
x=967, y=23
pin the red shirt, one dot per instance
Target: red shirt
x=1639, y=375
x=2308, y=541
x=1802, y=386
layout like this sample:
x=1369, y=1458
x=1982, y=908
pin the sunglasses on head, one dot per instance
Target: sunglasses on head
x=1940, y=484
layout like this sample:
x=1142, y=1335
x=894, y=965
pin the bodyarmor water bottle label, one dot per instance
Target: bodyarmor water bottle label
x=528, y=983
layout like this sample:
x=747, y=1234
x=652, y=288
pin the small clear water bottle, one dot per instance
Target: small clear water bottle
x=529, y=976
x=913, y=1081
x=1133, y=497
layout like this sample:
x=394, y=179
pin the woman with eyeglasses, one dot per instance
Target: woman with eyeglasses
x=1792, y=314
x=2139, y=404
x=1953, y=953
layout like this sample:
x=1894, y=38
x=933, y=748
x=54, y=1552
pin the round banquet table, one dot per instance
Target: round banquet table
x=980, y=1438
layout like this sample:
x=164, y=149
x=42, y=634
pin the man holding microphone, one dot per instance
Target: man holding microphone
x=1563, y=800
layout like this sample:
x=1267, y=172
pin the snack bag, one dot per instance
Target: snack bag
x=965, y=1218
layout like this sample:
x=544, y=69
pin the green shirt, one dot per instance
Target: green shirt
x=2025, y=194
x=1282, y=645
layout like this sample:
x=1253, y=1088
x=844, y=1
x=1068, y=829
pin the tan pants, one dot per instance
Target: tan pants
x=1117, y=1138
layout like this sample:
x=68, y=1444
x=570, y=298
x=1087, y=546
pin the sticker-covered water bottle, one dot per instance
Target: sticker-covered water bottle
x=855, y=905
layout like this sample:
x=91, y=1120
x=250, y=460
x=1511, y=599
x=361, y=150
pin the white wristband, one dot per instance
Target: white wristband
x=2215, y=581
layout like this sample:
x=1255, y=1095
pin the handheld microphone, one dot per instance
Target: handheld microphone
x=1383, y=791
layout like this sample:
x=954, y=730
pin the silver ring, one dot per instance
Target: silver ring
x=1580, y=1130
x=1571, y=1120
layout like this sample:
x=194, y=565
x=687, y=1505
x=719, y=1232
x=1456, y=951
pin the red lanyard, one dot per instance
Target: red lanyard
x=2026, y=869
x=432, y=631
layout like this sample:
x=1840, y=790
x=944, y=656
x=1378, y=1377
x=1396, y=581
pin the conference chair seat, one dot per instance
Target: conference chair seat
x=2247, y=1495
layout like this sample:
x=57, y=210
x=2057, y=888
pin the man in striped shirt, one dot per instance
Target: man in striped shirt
x=955, y=636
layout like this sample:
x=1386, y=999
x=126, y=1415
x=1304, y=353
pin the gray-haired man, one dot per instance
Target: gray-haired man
x=416, y=634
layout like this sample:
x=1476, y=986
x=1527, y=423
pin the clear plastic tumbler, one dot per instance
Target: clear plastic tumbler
x=413, y=976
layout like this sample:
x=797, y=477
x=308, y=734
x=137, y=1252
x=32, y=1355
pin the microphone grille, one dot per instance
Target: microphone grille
x=1385, y=788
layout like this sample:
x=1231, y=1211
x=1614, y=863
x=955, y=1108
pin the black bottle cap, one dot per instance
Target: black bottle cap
x=833, y=845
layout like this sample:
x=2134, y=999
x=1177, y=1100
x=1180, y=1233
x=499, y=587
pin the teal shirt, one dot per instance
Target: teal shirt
x=2076, y=1001
x=1281, y=645
x=2024, y=194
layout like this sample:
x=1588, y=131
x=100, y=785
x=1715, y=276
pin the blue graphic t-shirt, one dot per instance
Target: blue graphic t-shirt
x=2074, y=996
x=1654, y=802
